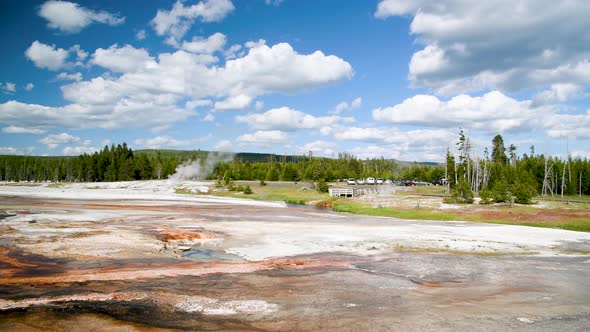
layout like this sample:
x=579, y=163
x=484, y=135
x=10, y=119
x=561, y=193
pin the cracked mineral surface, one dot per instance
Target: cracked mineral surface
x=136, y=256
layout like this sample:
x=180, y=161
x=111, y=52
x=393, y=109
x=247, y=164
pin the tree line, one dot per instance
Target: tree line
x=308, y=168
x=502, y=175
x=117, y=163
x=120, y=163
x=497, y=176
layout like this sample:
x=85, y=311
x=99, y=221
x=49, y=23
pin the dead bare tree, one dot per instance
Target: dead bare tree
x=563, y=180
x=547, y=179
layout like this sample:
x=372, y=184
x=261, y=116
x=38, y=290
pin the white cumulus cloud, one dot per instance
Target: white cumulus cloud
x=192, y=104
x=473, y=46
x=345, y=106
x=70, y=17
x=558, y=93
x=53, y=140
x=264, y=138
x=140, y=35
x=224, y=145
x=123, y=59
x=169, y=142
x=22, y=130
x=47, y=56
x=492, y=112
x=150, y=113
x=213, y=43
x=287, y=119
x=238, y=102
x=9, y=150
x=8, y=87
x=63, y=76
x=569, y=125
x=149, y=89
x=209, y=117
x=419, y=144
x=78, y=150
x=323, y=148
x=175, y=22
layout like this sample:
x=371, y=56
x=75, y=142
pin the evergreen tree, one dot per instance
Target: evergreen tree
x=498, y=150
x=450, y=161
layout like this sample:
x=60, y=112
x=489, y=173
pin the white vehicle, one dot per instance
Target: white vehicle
x=351, y=181
x=370, y=181
x=379, y=181
x=361, y=181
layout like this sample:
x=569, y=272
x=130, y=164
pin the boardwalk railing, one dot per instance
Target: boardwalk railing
x=343, y=192
x=351, y=192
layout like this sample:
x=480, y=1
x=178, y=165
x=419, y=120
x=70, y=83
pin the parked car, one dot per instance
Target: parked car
x=440, y=182
x=418, y=182
x=370, y=181
x=351, y=181
x=379, y=181
x=360, y=181
x=408, y=183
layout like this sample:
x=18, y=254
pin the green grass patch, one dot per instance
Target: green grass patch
x=285, y=192
x=572, y=224
x=568, y=197
x=428, y=190
x=55, y=185
x=420, y=191
x=184, y=191
x=418, y=213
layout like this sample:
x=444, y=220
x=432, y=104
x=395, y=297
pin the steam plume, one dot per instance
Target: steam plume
x=200, y=169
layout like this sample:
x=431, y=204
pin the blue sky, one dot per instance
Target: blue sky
x=391, y=78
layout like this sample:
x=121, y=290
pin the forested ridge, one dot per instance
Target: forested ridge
x=120, y=163
x=498, y=172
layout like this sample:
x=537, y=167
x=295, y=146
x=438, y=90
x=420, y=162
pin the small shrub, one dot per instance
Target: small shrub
x=449, y=200
x=231, y=186
x=486, y=196
x=462, y=194
x=500, y=193
x=247, y=190
x=522, y=194
x=240, y=188
x=321, y=186
x=262, y=183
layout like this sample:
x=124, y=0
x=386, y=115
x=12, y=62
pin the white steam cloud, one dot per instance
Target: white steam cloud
x=200, y=169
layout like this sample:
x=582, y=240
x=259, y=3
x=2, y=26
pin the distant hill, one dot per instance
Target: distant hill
x=251, y=157
x=248, y=156
x=196, y=154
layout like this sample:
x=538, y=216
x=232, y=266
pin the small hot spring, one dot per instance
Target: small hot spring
x=210, y=255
